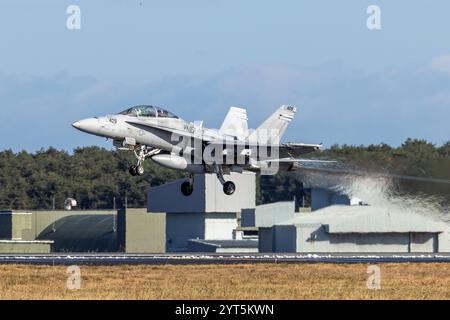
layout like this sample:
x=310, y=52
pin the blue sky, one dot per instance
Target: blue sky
x=197, y=58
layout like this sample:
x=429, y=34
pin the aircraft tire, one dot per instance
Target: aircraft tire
x=187, y=188
x=140, y=170
x=229, y=188
x=133, y=171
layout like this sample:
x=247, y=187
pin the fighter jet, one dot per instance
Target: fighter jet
x=154, y=133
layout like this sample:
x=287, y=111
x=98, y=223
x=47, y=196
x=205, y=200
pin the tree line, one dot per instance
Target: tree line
x=415, y=158
x=98, y=178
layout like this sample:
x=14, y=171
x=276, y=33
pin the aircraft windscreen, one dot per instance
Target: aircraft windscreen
x=149, y=112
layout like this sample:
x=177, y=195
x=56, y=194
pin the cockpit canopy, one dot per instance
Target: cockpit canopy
x=149, y=112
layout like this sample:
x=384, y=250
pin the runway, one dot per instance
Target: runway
x=185, y=258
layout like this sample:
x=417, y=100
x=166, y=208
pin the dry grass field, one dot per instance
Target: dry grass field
x=261, y=281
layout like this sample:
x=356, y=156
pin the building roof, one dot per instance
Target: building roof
x=370, y=219
x=82, y=232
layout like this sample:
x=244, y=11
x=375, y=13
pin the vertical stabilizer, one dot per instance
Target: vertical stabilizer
x=235, y=123
x=273, y=128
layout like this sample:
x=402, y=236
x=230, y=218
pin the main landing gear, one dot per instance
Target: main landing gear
x=228, y=186
x=187, y=187
x=144, y=152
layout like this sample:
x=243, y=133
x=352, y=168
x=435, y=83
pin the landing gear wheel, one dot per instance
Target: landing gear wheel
x=187, y=188
x=229, y=187
x=133, y=170
x=141, y=152
x=140, y=170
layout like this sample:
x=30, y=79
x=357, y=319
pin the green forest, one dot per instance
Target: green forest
x=99, y=178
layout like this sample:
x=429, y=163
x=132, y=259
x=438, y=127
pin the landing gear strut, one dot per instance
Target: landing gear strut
x=228, y=186
x=144, y=152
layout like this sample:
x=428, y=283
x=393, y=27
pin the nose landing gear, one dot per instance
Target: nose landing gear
x=137, y=170
x=144, y=152
x=133, y=170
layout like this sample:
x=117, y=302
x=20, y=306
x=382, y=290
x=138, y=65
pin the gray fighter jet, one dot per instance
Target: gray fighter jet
x=155, y=133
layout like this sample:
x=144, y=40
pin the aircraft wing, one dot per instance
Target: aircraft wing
x=286, y=151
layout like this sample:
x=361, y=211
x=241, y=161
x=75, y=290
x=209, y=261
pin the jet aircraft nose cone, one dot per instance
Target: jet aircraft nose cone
x=76, y=125
x=90, y=125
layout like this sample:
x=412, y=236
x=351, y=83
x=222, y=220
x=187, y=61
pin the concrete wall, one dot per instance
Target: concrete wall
x=25, y=246
x=247, y=218
x=136, y=231
x=444, y=241
x=313, y=238
x=208, y=195
x=423, y=242
x=181, y=227
x=266, y=240
x=16, y=225
x=267, y=215
x=278, y=239
x=285, y=238
x=220, y=226
x=358, y=229
x=372, y=242
x=208, y=213
x=141, y=232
